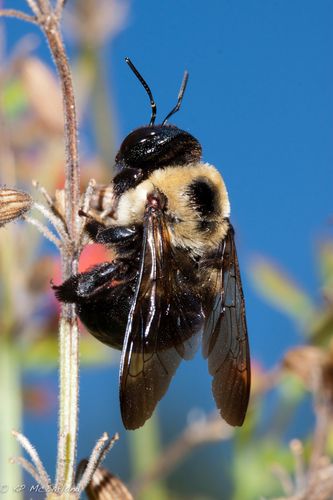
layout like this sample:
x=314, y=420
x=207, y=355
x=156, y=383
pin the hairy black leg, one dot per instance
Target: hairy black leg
x=112, y=234
x=81, y=287
x=127, y=179
x=103, y=296
x=93, y=228
x=121, y=238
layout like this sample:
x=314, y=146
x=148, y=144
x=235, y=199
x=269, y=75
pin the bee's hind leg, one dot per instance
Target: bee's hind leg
x=82, y=287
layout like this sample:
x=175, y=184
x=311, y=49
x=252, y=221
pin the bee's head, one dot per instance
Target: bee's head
x=157, y=146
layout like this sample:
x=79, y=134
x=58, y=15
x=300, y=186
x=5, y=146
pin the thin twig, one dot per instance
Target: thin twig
x=102, y=447
x=197, y=433
x=72, y=178
x=56, y=221
x=59, y=7
x=44, y=6
x=44, y=231
x=27, y=466
x=282, y=475
x=107, y=448
x=85, y=207
x=317, y=481
x=25, y=443
x=18, y=15
x=43, y=192
x=297, y=450
x=322, y=488
x=322, y=411
x=34, y=7
x=87, y=195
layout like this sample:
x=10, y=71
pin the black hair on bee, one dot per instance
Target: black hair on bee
x=175, y=277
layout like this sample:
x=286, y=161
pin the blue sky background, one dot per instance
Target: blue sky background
x=260, y=100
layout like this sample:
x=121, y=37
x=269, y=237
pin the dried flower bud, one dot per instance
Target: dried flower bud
x=306, y=362
x=105, y=485
x=13, y=204
x=59, y=203
x=327, y=376
x=43, y=92
x=314, y=367
x=94, y=21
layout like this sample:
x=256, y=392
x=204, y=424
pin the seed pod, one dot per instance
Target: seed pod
x=104, y=485
x=13, y=204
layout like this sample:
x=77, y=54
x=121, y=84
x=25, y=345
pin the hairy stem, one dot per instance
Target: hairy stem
x=18, y=14
x=68, y=417
x=72, y=179
x=36, y=462
x=68, y=332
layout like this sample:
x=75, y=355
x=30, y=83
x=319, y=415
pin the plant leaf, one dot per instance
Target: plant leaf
x=279, y=289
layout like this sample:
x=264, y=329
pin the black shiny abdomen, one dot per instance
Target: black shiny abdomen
x=106, y=315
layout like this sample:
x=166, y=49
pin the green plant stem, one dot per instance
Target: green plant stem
x=10, y=375
x=69, y=395
x=91, y=70
x=144, y=449
x=10, y=394
x=91, y=66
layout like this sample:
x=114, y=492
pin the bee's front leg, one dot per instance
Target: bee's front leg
x=121, y=238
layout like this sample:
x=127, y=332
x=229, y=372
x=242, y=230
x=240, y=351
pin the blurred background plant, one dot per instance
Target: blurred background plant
x=263, y=459
x=32, y=146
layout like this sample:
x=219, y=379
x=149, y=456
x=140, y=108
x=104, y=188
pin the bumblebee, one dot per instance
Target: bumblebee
x=175, y=278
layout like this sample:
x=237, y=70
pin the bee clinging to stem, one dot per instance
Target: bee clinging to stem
x=175, y=277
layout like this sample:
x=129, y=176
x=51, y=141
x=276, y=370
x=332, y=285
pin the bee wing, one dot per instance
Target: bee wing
x=225, y=340
x=163, y=327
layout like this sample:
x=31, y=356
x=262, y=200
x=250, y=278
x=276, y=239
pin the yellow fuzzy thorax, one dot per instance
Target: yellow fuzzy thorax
x=182, y=219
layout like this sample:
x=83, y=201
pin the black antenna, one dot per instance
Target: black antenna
x=147, y=89
x=180, y=97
